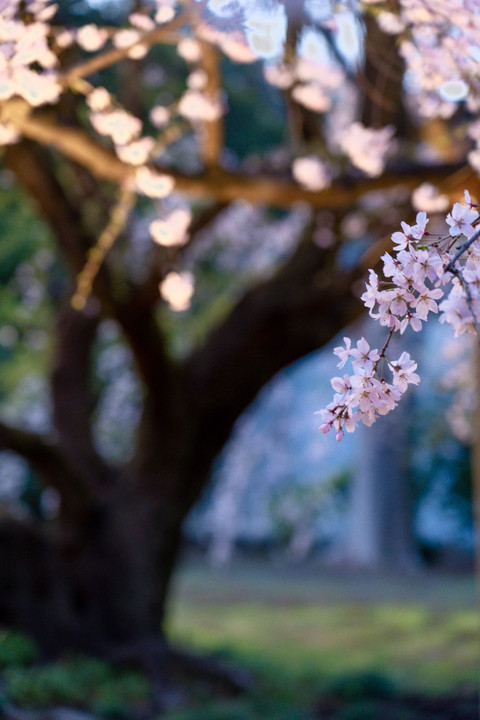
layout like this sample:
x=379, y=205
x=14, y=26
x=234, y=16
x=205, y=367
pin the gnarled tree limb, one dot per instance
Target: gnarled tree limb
x=45, y=457
x=134, y=310
x=216, y=183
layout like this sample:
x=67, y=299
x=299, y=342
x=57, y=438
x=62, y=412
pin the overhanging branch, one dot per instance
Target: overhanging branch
x=217, y=183
x=43, y=454
x=134, y=310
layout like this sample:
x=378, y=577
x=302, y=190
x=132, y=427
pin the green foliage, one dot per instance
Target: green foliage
x=222, y=710
x=368, y=709
x=305, y=637
x=359, y=639
x=250, y=96
x=16, y=649
x=250, y=708
x=361, y=685
x=27, y=273
x=43, y=686
x=116, y=695
x=77, y=681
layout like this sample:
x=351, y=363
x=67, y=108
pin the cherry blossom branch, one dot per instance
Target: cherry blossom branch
x=415, y=276
x=162, y=34
x=458, y=274
x=462, y=249
x=222, y=185
x=387, y=342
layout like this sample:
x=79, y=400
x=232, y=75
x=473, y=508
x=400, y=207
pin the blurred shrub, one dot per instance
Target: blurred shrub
x=370, y=710
x=116, y=695
x=78, y=681
x=16, y=649
x=366, y=686
x=43, y=686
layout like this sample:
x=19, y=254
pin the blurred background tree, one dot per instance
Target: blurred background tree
x=121, y=400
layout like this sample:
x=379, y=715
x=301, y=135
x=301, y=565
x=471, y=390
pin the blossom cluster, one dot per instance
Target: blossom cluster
x=367, y=148
x=442, y=65
x=27, y=64
x=415, y=276
x=362, y=396
x=438, y=41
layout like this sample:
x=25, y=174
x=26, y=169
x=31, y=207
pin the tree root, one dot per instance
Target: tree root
x=224, y=675
x=169, y=668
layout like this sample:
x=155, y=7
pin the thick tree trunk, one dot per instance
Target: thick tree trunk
x=95, y=587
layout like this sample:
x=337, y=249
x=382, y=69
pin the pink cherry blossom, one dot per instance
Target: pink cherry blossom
x=363, y=356
x=415, y=273
x=461, y=219
x=367, y=148
x=404, y=372
x=177, y=289
x=91, y=37
x=152, y=184
x=136, y=152
x=425, y=301
x=343, y=353
x=121, y=126
x=311, y=172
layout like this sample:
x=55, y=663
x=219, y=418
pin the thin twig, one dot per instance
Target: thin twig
x=96, y=255
x=458, y=273
x=382, y=353
x=460, y=251
x=164, y=34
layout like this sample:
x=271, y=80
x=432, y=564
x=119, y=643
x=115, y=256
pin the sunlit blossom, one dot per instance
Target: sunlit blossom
x=177, y=289
x=195, y=106
x=310, y=172
x=8, y=135
x=152, y=184
x=428, y=197
x=189, y=49
x=121, y=126
x=136, y=152
x=312, y=96
x=159, y=116
x=367, y=148
x=172, y=230
x=266, y=31
x=99, y=99
x=91, y=37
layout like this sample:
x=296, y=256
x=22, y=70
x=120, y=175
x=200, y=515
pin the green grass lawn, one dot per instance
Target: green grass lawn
x=304, y=633
x=304, y=630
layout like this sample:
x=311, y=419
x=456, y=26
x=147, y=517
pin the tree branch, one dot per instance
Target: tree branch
x=211, y=133
x=297, y=311
x=218, y=183
x=167, y=34
x=134, y=310
x=44, y=456
x=72, y=397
